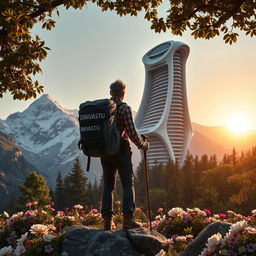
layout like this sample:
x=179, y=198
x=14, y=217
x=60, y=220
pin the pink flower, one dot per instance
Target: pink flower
x=94, y=211
x=52, y=203
x=207, y=211
x=34, y=203
x=60, y=212
x=28, y=204
x=118, y=202
x=160, y=210
x=222, y=215
x=52, y=227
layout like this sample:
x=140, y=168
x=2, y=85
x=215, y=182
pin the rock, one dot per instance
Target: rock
x=84, y=241
x=146, y=241
x=199, y=243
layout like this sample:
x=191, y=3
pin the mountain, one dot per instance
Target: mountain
x=13, y=168
x=224, y=140
x=48, y=135
x=201, y=144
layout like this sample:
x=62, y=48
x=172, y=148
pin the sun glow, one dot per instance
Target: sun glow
x=238, y=123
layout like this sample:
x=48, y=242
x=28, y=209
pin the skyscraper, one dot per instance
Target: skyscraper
x=163, y=114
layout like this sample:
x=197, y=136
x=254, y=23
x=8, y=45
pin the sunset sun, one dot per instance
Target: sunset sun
x=238, y=123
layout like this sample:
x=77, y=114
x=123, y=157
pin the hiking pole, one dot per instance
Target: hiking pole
x=147, y=182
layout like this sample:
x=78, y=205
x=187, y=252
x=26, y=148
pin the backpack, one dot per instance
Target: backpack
x=99, y=133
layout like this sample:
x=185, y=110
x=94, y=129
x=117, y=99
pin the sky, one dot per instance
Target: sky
x=91, y=49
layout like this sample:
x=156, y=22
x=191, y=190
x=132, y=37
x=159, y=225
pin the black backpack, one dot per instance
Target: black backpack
x=99, y=133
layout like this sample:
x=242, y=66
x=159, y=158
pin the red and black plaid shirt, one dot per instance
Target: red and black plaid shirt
x=126, y=125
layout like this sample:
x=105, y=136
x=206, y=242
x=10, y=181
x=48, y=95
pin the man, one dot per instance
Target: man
x=121, y=162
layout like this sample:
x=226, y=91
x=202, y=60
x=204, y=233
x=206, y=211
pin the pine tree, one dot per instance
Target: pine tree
x=59, y=193
x=75, y=185
x=34, y=189
x=186, y=184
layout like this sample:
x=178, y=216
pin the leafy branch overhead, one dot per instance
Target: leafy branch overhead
x=21, y=53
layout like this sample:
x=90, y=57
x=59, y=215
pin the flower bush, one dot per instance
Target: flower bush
x=240, y=240
x=40, y=230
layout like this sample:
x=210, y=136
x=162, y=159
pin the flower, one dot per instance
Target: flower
x=250, y=230
x=48, y=248
x=181, y=239
x=28, y=204
x=22, y=238
x=160, y=210
x=64, y=254
x=19, y=250
x=94, y=211
x=177, y=211
x=236, y=227
x=222, y=215
x=5, y=251
x=39, y=229
x=48, y=237
x=161, y=253
x=214, y=240
x=251, y=247
x=52, y=227
x=254, y=212
x=34, y=203
x=118, y=202
x=71, y=218
x=207, y=211
x=5, y=214
x=78, y=206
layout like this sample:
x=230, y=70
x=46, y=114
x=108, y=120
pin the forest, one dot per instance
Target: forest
x=203, y=182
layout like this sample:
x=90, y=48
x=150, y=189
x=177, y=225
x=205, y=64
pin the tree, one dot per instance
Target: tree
x=75, y=185
x=186, y=182
x=20, y=53
x=59, y=193
x=34, y=189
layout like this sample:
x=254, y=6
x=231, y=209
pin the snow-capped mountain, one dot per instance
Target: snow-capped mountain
x=48, y=135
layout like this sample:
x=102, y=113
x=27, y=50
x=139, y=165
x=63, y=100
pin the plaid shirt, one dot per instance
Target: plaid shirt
x=126, y=125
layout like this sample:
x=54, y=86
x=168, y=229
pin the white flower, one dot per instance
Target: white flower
x=22, y=239
x=78, y=206
x=64, y=254
x=38, y=229
x=48, y=237
x=251, y=230
x=5, y=214
x=177, y=211
x=238, y=226
x=19, y=250
x=254, y=212
x=5, y=251
x=214, y=240
x=161, y=253
x=71, y=218
x=181, y=239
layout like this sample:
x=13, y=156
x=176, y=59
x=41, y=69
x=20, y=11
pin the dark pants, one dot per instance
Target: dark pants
x=122, y=163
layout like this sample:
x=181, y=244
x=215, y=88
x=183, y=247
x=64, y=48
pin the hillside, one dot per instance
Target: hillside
x=13, y=168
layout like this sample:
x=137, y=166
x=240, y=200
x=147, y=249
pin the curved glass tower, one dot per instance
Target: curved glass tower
x=163, y=113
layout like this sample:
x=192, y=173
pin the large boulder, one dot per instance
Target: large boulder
x=199, y=243
x=84, y=241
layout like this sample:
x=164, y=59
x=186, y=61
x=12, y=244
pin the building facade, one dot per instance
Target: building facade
x=163, y=115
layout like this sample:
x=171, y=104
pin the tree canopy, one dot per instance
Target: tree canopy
x=21, y=53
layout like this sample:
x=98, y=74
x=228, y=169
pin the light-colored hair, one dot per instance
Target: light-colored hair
x=117, y=88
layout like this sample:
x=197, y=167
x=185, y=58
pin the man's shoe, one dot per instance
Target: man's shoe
x=129, y=222
x=108, y=222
